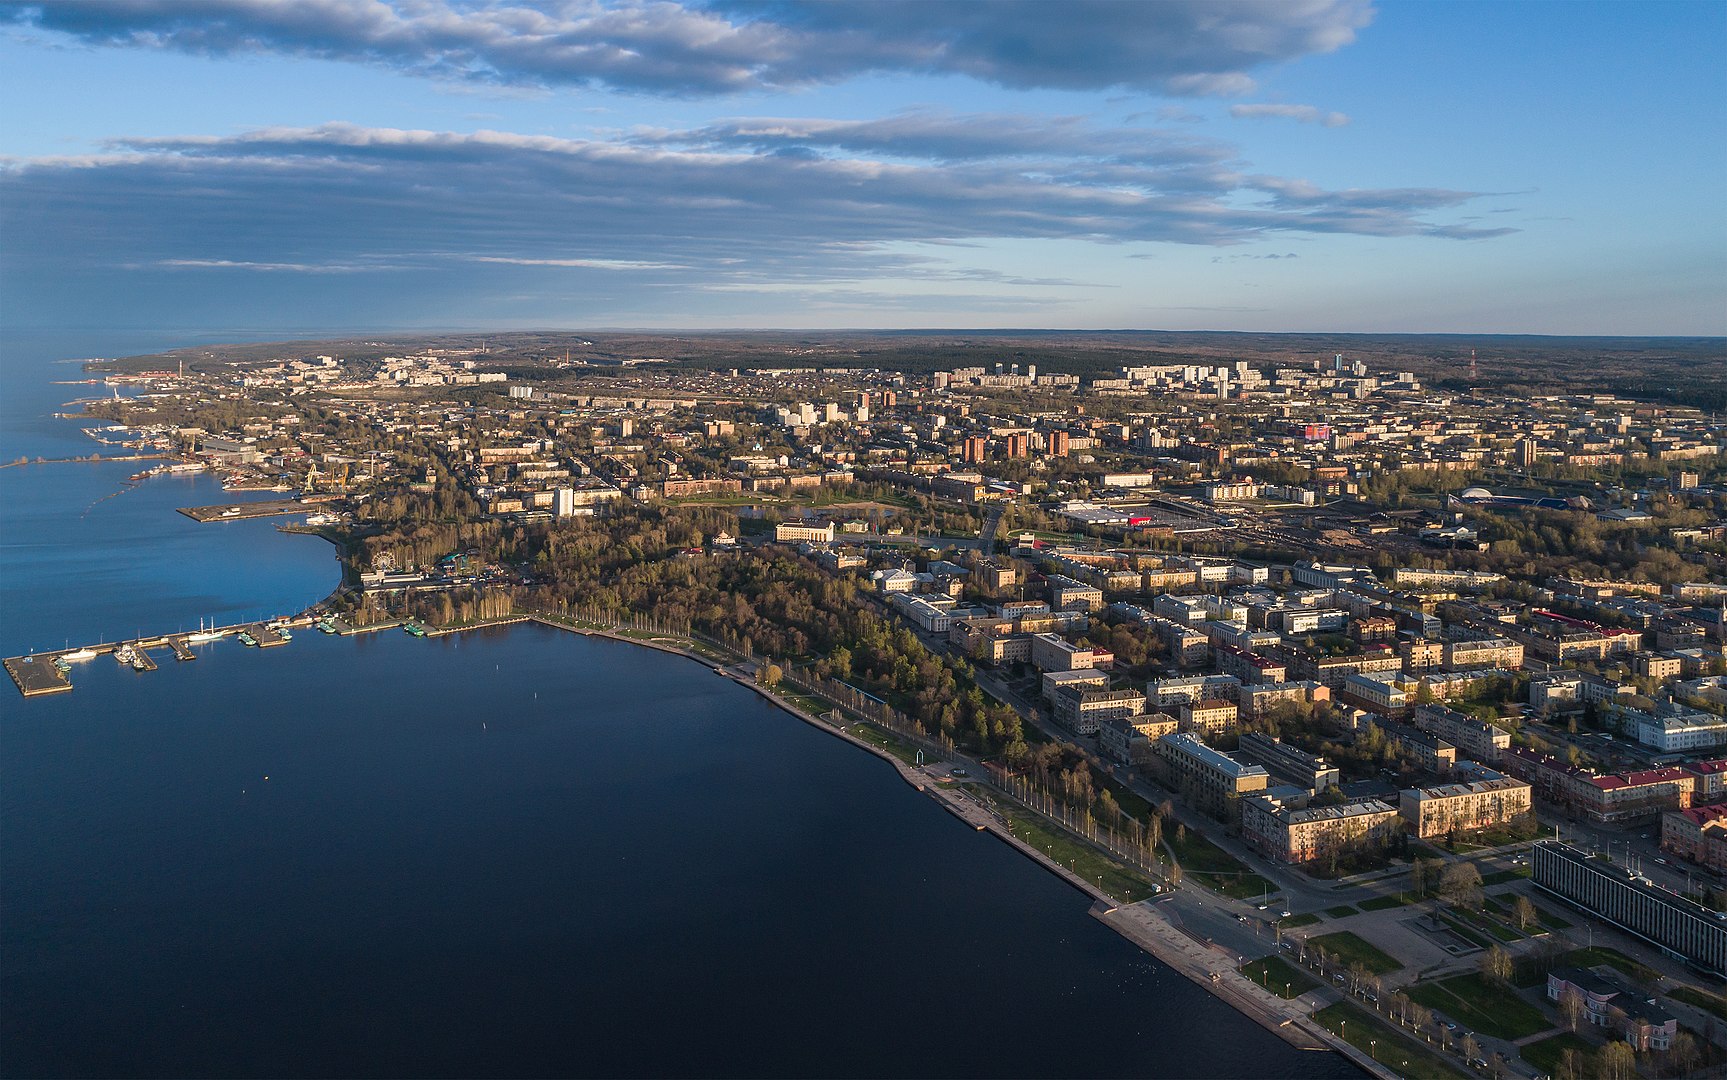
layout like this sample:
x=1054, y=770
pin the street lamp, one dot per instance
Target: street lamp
x=1373, y=1049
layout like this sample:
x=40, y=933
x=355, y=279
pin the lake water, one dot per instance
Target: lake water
x=509, y=853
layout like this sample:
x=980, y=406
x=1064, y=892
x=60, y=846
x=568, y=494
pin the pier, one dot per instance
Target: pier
x=46, y=673
x=241, y=511
x=37, y=675
x=267, y=637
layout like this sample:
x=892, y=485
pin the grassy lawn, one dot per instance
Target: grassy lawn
x=1702, y=999
x=1198, y=855
x=1385, y=903
x=1544, y=1055
x=1500, y=877
x=1296, y=922
x=1550, y=920
x=1207, y=864
x=1243, y=886
x=1275, y=975
x=1350, y=948
x=1341, y=911
x=1124, y=883
x=877, y=737
x=1365, y=1031
x=1474, y=1002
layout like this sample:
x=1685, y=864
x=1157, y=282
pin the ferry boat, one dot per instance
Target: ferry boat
x=414, y=628
x=327, y=625
x=247, y=639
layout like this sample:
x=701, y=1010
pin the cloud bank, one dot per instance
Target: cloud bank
x=735, y=205
x=1185, y=47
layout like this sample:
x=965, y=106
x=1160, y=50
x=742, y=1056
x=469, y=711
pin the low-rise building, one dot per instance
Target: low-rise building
x=796, y=532
x=1644, y=1023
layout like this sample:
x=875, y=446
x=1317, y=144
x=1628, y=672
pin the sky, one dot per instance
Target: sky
x=1296, y=165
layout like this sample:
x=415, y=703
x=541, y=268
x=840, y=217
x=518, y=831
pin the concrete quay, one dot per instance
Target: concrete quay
x=37, y=675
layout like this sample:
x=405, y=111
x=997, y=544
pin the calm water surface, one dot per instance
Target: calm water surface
x=512, y=853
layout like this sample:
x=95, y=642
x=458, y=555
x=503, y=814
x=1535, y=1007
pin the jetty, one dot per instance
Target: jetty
x=242, y=511
x=37, y=675
x=50, y=673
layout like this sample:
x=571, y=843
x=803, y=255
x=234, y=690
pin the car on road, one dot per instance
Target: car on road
x=959, y=772
x=1283, y=915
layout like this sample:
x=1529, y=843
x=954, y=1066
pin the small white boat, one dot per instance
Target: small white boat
x=79, y=655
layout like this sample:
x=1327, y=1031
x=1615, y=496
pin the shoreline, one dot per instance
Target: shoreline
x=1139, y=922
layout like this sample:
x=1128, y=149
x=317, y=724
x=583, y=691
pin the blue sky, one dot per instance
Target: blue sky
x=1311, y=165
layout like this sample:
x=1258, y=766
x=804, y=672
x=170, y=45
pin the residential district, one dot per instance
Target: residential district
x=1407, y=704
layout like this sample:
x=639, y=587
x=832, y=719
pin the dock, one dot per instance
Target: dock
x=265, y=636
x=45, y=673
x=37, y=675
x=242, y=511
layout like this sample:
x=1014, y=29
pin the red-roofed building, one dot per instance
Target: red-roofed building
x=1698, y=834
x=1711, y=780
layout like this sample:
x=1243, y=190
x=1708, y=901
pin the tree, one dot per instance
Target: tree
x=1617, y=1061
x=1460, y=884
x=1523, y=912
x=1470, y=1048
x=1684, y=1054
x=771, y=675
x=1496, y=965
x=1572, y=1008
x=1108, y=808
x=1570, y=1065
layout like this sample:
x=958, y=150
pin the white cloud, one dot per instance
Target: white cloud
x=1192, y=47
x=1306, y=114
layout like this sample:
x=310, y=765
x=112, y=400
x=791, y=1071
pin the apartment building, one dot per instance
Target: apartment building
x=1066, y=594
x=1295, y=834
x=1129, y=739
x=1474, y=739
x=1209, y=718
x=1496, y=652
x=1080, y=710
x=1086, y=678
x=1209, y=780
x=1287, y=763
x=1698, y=834
x=1466, y=807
